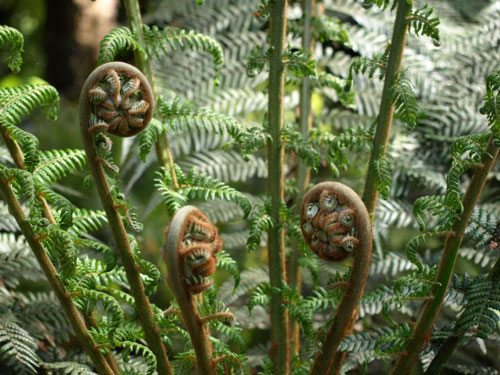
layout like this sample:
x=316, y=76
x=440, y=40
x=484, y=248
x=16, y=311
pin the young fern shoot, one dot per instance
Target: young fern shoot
x=336, y=225
x=190, y=254
x=117, y=98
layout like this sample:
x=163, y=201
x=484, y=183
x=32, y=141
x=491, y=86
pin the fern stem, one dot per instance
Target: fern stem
x=55, y=281
x=176, y=253
x=453, y=341
x=386, y=112
x=13, y=147
x=162, y=146
x=47, y=213
x=329, y=360
x=123, y=247
x=303, y=172
x=431, y=309
x=280, y=352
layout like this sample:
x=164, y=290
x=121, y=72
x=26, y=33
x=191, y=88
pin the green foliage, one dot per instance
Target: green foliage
x=197, y=186
x=9, y=35
x=383, y=174
x=18, y=347
x=405, y=102
x=421, y=23
x=479, y=316
x=166, y=40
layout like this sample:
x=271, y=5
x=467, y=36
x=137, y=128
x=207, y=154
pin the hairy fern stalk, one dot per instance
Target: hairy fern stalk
x=399, y=98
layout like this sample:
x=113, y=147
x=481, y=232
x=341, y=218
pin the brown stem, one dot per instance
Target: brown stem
x=143, y=307
x=431, y=309
x=386, y=112
x=330, y=212
x=190, y=261
x=18, y=158
x=280, y=335
x=55, y=281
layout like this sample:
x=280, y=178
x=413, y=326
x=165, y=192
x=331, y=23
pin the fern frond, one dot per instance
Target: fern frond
x=68, y=368
x=19, y=101
x=17, y=347
x=405, y=102
x=480, y=314
x=383, y=174
x=9, y=35
x=198, y=186
x=27, y=142
x=85, y=221
x=140, y=350
x=7, y=221
x=117, y=40
x=225, y=262
x=421, y=23
x=173, y=39
x=56, y=164
x=260, y=222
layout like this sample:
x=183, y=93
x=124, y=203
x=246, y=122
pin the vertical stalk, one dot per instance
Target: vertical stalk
x=162, y=147
x=18, y=158
x=451, y=343
x=280, y=352
x=123, y=247
x=55, y=281
x=303, y=172
x=386, y=113
x=431, y=309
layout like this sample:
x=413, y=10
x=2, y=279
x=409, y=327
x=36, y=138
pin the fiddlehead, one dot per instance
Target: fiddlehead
x=120, y=100
x=190, y=253
x=117, y=98
x=336, y=225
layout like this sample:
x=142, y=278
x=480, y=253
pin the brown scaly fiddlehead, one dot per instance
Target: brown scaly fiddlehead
x=116, y=98
x=336, y=225
x=190, y=253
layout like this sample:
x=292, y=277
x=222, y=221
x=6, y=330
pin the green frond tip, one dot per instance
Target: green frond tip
x=260, y=222
x=383, y=174
x=421, y=23
x=118, y=40
x=225, y=262
x=405, y=102
x=491, y=106
x=299, y=63
x=9, y=35
x=174, y=39
x=197, y=185
x=56, y=164
x=362, y=65
x=130, y=347
x=19, y=101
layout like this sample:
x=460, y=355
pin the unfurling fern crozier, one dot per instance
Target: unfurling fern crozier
x=336, y=225
x=329, y=221
x=196, y=244
x=120, y=99
x=190, y=253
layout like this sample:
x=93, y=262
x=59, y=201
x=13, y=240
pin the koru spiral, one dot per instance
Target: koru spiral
x=192, y=245
x=120, y=100
x=330, y=218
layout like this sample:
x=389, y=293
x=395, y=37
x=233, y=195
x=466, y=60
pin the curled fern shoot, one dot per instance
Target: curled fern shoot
x=190, y=253
x=336, y=225
x=117, y=98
